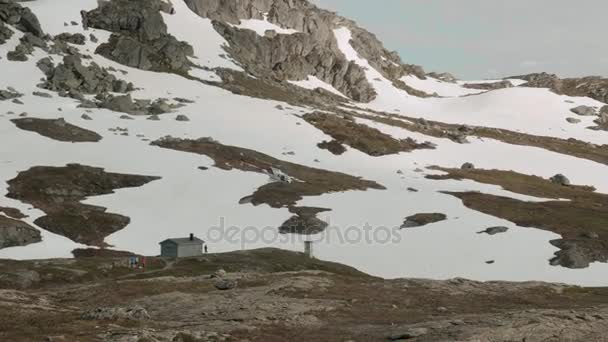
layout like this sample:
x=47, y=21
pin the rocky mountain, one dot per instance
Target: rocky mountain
x=266, y=123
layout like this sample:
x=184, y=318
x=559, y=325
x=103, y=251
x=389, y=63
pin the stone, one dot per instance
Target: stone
x=573, y=120
x=494, y=230
x=223, y=284
x=122, y=103
x=86, y=117
x=422, y=219
x=584, y=111
x=140, y=37
x=467, y=166
x=17, y=233
x=135, y=313
x=154, y=118
x=221, y=273
x=93, y=38
x=42, y=94
x=76, y=38
x=409, y=334
x=126, y=117
x=181, y=117
x=560, y=180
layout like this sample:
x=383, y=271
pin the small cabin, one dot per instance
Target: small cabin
x=182, y=247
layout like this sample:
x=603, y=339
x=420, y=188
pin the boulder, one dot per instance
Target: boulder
x=21, y=18
x=422, y=219
x=573, y=120
x=223, y=284
x=73, y=77
x=560, y=180
x=467, y=166
x=76, y=38
x=584, y=111
x=494, y=230
x=17, y=233
x=181, y=117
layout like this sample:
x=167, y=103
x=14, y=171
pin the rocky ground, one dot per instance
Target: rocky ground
x=274, y=295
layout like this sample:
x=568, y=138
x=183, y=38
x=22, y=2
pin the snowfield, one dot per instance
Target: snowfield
x=189, y=200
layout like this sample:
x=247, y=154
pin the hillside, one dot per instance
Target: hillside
x=266, y=123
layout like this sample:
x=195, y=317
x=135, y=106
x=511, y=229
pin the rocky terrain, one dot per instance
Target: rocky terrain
x=130, y=121
x=279, y=295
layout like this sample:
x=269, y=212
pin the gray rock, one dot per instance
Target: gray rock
x=42, y=94
x=409, y=334
x=140, y=38
x=445, y=76
x=560, y=179
x=584, y=111
x=159, y=106
x=9, y=94
x=135, y=313
x=126, y=117
x=154, y=118
x=74, y=78
x=93, y=38
x=182, y=117
x=21, y=18
x=467, y=166
x=76, y=38
x=223, y=284
x=494, y=230
x=573, y=120
x=489, y=86
x=86, y=117
x=17, y=233
x=122, y=104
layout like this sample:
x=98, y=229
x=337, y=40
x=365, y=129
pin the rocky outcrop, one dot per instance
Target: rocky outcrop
x=489, y=86
x=57, y=129
x=311, y=51
x=17, y=233
x=584, y=111
x=294, y=57
x=58, y=191
x=20, y=17
x=444, y=76
x=578, y=253
x=9, y=94
x=304, y=222
x=422, y=219
x=594, y=87
x=74, y=78
x=140, y=38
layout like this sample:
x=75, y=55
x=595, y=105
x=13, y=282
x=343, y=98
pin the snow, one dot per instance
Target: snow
x=261, y=26
x=534, y=111
x=312, y=82
x=432, y=85
x=188, y=200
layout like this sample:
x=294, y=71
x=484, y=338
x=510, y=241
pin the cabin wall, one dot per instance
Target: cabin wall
x=189, y=251
x=168, y=250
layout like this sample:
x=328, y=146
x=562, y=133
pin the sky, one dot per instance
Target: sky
x=479, y=39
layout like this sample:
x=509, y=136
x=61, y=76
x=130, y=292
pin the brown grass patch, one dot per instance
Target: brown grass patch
x=307, y=181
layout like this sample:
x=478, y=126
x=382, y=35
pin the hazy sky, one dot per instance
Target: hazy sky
x=489, y=38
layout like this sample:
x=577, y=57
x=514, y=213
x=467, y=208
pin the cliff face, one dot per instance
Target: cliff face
x=311, y=51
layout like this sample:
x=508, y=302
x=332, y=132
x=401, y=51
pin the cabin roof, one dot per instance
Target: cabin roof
x=184, y=241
